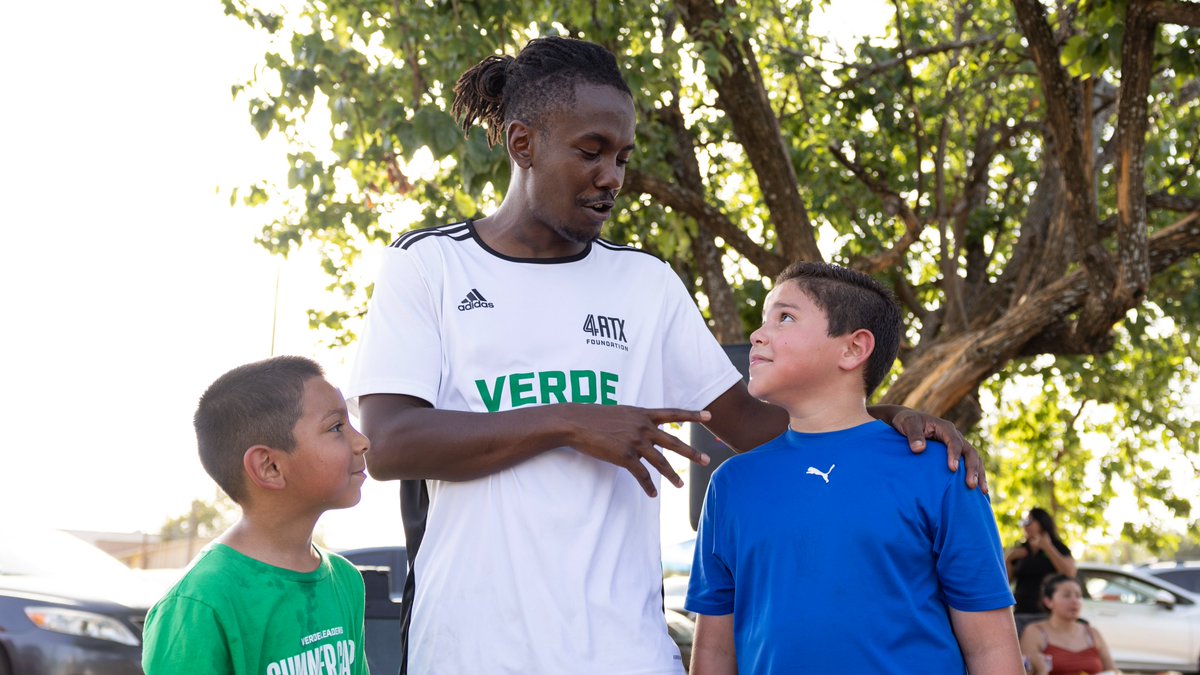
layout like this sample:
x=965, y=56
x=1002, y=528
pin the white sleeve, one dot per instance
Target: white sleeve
x=400, y=349
x=695, y=367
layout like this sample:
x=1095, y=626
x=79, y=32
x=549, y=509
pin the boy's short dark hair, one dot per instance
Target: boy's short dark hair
x=254, y=404
x=851, y=301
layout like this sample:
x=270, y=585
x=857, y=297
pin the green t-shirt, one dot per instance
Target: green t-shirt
x=233, y=614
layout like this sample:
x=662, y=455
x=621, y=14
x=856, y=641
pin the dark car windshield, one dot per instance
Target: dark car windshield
x=1183, y=577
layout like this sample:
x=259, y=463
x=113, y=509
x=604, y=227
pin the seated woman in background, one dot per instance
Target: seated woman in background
x=1061, y=644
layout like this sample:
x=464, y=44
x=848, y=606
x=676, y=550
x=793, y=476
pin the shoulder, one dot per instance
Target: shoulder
x=204, y=588
x=740, y=464
x=1033, y=631
x=887, y=443
x=341, y=568
x=218, y=576
x=632, y=253
x=632, y=260
x=430, y=236
x=210, y=567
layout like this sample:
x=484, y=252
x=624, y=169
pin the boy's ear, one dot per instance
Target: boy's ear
x=519, y=139
x=261, y=467
x=859, y=346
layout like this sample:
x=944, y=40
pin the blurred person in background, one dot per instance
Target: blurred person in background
x=1042, y=554
x=1061, y=643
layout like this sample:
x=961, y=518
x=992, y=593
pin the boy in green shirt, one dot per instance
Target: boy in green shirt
x=262, y=599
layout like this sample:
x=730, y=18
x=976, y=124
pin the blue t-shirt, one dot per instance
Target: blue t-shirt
x=840, y=552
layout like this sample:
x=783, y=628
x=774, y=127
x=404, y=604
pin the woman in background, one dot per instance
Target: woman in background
x=1061, y=644
x=1029, y=563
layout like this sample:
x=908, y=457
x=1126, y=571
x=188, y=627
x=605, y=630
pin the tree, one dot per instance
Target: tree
x=1023, y=176
x=203, y=519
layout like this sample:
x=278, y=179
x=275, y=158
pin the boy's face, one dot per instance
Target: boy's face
x=792, y=349
x=326, y=468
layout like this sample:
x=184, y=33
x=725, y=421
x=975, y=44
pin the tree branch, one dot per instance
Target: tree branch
x=1063, y=106
x=918, y=125
x=1137, y=52
x=694, y=204
x=1161, y=201
x=743, y=97
x=722, y=305
x=869, y=72
x=892, y=256
x=953, y=368
x=1174, y=12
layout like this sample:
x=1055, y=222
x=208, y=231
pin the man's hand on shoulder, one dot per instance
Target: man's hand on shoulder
x=918, y=427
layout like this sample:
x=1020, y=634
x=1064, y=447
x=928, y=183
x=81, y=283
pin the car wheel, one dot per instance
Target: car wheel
x=5, y=669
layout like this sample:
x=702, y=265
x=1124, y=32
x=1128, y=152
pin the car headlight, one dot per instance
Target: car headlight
x=86, y=624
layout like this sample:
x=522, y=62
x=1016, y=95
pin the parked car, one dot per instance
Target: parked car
x=683, y=632
x=1182, y=573
x=68, y=607
x=389, y=557
x=675, y=593
x=384, y=569
x=1149, y=623
x=677, y=557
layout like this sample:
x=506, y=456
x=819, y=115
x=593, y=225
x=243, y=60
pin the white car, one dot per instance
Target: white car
x=1149, y=624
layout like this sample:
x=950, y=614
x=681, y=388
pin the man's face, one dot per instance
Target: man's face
x=577, y=162
x=792, y=349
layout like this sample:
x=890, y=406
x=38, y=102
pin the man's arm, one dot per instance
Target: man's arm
x=712, y=649
x=411, y=439
x=988, y=641
x=743, y=423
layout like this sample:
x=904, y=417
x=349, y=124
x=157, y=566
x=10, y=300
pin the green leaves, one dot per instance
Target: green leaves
x=1087, y=55
x=941, y=123
x=436, y=130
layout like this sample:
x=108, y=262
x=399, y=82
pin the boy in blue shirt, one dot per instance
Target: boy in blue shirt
x=829, y=550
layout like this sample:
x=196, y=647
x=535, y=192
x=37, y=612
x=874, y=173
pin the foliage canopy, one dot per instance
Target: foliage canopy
x=1023, y=176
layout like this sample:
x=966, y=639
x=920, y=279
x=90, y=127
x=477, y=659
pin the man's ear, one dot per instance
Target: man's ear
x=859, y=346
x=518, y=139
x=261, y=468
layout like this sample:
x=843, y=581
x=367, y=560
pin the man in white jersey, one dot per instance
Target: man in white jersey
x=515, y=370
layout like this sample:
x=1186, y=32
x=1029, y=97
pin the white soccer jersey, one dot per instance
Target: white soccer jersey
x=553, y=565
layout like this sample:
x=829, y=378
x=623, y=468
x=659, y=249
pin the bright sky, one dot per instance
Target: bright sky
x=128, y=282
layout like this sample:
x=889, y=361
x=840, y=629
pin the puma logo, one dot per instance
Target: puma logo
x=814, y=471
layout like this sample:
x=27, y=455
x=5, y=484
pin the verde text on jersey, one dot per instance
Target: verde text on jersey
x=548, y=386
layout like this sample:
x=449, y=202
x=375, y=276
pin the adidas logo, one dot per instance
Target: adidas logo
x=474, y=300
